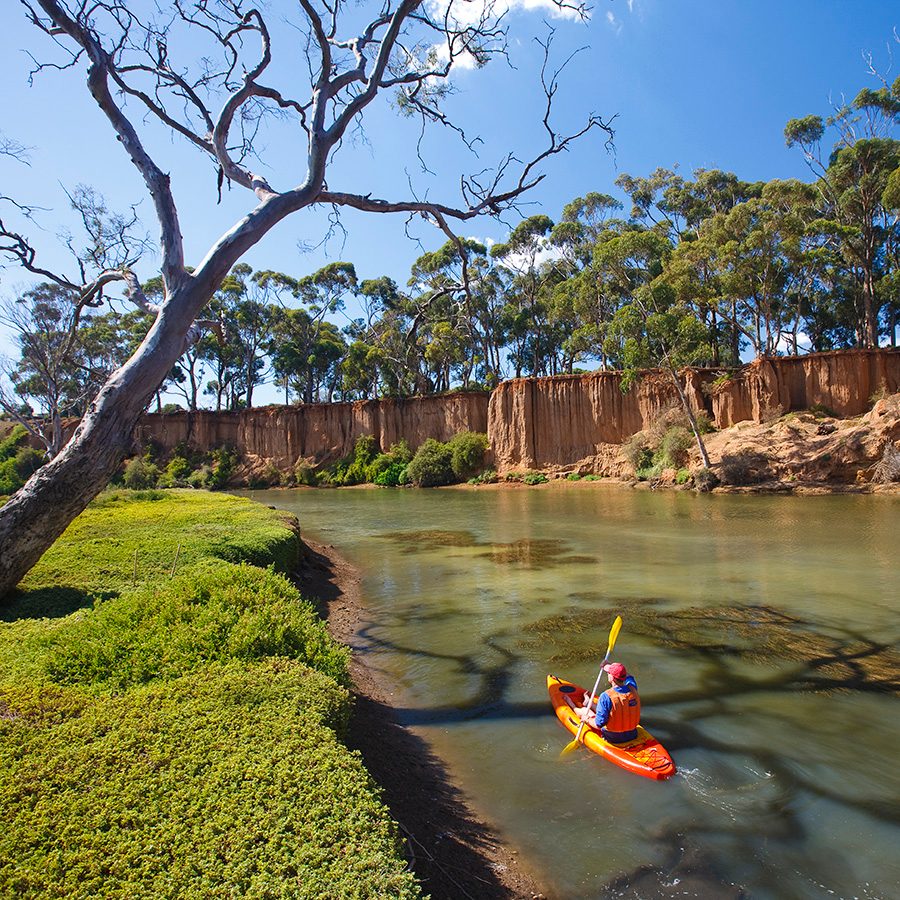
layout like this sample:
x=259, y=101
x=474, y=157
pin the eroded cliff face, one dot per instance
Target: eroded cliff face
x=569, y=423
x=577, y=423
x=843, y=381
x=320, y=432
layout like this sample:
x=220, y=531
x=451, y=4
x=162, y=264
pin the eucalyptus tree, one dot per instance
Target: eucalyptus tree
x=407, y=49
x=43, y=326
x=578, y=304
x=525, y=256
x=651, y=329
x=853, y=178
x=455, y=318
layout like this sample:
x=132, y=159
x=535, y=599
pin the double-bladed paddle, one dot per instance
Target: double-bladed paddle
x=613, y=634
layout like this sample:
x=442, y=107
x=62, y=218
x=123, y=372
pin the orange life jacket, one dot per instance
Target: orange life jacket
x=626, y=710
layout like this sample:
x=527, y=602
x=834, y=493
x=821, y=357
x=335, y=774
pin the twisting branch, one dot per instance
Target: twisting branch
x=157, y=182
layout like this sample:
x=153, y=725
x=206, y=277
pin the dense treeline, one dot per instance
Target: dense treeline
x=700, y=270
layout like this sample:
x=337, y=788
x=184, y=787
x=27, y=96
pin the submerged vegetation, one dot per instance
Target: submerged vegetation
x=171, y=716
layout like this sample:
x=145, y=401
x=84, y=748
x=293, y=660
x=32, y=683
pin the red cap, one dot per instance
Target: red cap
x=617, y=671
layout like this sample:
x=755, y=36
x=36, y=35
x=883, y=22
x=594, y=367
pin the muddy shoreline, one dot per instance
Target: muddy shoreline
x=455, y=853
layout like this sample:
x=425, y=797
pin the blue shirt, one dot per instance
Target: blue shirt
x=604, y=708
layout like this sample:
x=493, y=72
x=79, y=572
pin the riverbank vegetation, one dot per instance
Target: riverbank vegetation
x=171, y=714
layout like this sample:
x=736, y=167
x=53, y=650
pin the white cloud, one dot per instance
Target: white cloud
x=615, y=24
x=471, y=11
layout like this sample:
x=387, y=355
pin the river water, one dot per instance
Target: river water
x=763, y=633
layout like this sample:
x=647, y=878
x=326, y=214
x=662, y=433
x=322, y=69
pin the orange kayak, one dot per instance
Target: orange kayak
x=644, y=755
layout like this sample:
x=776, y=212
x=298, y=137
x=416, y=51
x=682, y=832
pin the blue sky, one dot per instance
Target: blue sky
x=691, y=82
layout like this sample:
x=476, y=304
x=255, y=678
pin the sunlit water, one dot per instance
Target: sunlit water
x=763, y=634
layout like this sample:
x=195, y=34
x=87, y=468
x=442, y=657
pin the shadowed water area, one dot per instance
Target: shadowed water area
x=763, y=632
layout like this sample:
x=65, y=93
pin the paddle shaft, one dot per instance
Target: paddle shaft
x=613, y=634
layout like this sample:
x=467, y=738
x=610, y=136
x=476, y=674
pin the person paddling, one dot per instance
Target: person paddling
x=618, y=709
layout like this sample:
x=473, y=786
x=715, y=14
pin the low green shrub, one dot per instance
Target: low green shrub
x=705, y=480
x=18, y=461
x=432, y=465
x=674, y=448
x=127, y=537
x=228, y=782
x=393, y=476
x=743, y=468
x=304, y=473
x=488, y=476
x=13, y=442
x=682, y=476
x=467, y=451
x=176, y=472
x=535, y=478
x=638, y=452
x=139, y=473
x=214, y=612
x=573, y=476
x=593, y=478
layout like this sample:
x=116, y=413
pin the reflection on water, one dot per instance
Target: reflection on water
x=763, y=633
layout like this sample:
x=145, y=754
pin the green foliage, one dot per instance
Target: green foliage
x=527, y=477
x=210, y=471
x=392, y=476
x=353, y=469
x=176, y=473
x=189, y=748
x=18, y=462
x=305, y=474
x=10, y=445
x=432, y=465
x=488, y=476
x=682, y=476
x=674, y=447
x=467, y=451
x=227, y=782
x=638, y=452
x=122, y=531
x=140, y=474
x=593, y=478
x=214, y=612
x=573, y=476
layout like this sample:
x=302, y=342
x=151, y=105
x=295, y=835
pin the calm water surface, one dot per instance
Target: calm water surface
x=763, y=634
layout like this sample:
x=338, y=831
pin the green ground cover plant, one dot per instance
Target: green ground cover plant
x=126, y=538
x=181, y=736
x=230, y=781
x=214, y=612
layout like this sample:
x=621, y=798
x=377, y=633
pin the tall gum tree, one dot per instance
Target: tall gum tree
x=218, y=102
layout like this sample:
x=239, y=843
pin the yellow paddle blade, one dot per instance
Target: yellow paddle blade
x=614, y=633
x=569, y=748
